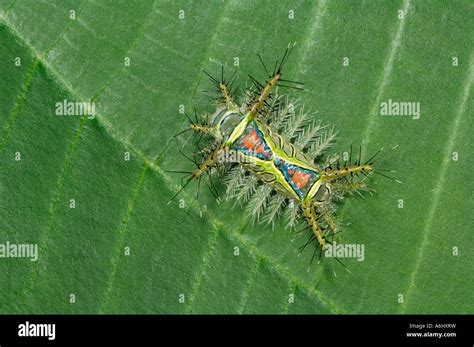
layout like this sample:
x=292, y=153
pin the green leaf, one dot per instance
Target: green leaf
x=173, y=250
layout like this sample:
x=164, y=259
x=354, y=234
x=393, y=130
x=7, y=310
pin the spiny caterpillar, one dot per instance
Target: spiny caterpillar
x=271, y=156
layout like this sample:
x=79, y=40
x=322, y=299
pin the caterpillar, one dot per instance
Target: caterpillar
x=269, y=153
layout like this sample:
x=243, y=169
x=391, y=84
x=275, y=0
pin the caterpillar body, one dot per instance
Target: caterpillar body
x=272, y=157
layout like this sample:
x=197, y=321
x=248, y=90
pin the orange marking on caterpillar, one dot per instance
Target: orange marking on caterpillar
x=301, y=179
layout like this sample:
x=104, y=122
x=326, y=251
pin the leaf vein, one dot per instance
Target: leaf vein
x=387, y=72
x=53, y=207
x=20, y=99
x=132, y=47
x=442, y=174
x=121, y=237
x=195, y=286
x=248, y=286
